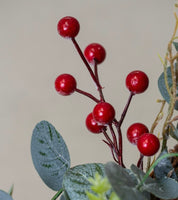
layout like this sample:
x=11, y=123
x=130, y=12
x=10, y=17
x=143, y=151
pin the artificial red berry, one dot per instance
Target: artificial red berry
x=135, y=131
x=148, y=144
x=103, y=113
x=137, y=81
x=68, y=27
x=95, y=52
x=92, y=125
x=65, y=84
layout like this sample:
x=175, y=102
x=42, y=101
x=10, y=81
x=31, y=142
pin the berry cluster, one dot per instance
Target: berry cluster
x=102, y=116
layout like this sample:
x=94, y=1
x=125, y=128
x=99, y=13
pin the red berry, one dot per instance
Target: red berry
x=148, y=144
x=65, y=84
x=92, y=125
x=135, y=131
x=103, y=113
x=137, y=82
x=68, y=27
x=94, y=52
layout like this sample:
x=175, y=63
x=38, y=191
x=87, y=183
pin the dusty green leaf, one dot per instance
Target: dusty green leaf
x=49, y=154
x=124, y=183
x=76, y=182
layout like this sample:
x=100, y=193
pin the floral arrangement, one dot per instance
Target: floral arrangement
x=155, y=179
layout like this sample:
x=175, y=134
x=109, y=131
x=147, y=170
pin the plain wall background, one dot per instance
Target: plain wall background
x=32, y=55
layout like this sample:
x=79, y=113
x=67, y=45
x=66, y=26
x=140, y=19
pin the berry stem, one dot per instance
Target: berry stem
x=85, y=61
x=120, y=147
x=125, y=110
x=140, y=162
x=112, y=145
x=118, y=126
x=97, y=78
x=112, y=150
x=87, y=94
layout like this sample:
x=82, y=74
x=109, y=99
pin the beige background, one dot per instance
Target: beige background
x=32, y=55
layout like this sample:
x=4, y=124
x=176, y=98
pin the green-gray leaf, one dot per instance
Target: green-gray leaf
x=124, y=183
x=162, y=86
x=49, y=154
x=175, y=45
x=164, y=167
x=166, y=188
x=76, y=182
x=173, y=131
x=5, y=195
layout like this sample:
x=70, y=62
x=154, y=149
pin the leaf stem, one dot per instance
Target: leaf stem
x=57, y=194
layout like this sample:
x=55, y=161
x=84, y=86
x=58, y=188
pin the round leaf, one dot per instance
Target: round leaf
x=5, y=196
x=124, y=183
x=49, y=154
x=162, y=86
x=76, y=180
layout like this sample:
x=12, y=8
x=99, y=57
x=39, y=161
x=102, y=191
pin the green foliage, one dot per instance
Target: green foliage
x=76, y=181
x=101, y=186
x=5, y=195
x=175, y=45
x=162, y=86
x=164, y=167
x=165, y=188
x=173, y=131
x=129, y=184
x=49, y=154
x=124, y=183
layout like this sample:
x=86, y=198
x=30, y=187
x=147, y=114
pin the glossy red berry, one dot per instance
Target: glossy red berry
x=135, y=131
x=148, y=144
x=137, y=81
x=65, y=84
x=92, y=125
x=68, y=27
x=103, y=113
x=94, y=52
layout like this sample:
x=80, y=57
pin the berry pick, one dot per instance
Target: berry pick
x=51, y=157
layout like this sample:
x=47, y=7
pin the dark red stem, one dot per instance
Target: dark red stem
x=125, y=110
x=120, y=147
x=112, y=151
x=97, y=78
x=118, y=126
x=88, y=95
x=85, y=61
x=140, y=162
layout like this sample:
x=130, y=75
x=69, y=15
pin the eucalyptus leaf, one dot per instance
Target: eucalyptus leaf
x=166, y=188
x=76, y=182
x=173, y=131
x=162, y=86
x=140, y=174
x=49, y=154
x=175, y=45
x=5, y=195
x=124, y=183
x=164, y=167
